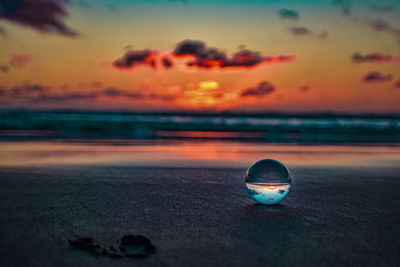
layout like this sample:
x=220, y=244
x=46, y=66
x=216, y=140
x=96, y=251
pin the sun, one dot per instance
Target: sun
x=209, y=85
x=205, y=94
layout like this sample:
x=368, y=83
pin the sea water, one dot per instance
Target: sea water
x=268, y=181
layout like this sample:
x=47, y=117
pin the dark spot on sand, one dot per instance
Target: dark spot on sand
x=86, y=244
x=137, y=246
x=132, y=246
x=105, y=252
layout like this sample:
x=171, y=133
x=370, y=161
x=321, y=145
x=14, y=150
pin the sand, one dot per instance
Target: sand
x=200, y=216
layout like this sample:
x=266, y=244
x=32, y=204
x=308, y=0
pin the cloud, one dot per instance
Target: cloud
x=36, y=92
x=289, y=14
x=16, y=61
x=115, y=92
x=378, y=25
x=381, y=9
x=198, y=55
x=136, y=57
x=371, y=57
x=46, y=16
x=167, y=63
x=381, y=25
x=262, y=89
x=304, y=31
x=20, y=60
x=205, y=57
x=196, y=48
x=26, y=91
x=300, y=31
x=397, y=84
x=4, y=68
x=375, y=76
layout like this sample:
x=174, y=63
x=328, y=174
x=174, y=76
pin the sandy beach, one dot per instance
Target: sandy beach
x=336, y=215
x=199, y=133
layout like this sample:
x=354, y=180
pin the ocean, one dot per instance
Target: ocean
x=94, y=126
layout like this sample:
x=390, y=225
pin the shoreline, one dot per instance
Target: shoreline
x=191, y=154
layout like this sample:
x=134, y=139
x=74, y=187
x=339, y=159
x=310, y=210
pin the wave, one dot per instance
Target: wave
x=273, y=128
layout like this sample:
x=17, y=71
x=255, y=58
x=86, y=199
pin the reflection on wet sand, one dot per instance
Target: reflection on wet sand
x=217, y=154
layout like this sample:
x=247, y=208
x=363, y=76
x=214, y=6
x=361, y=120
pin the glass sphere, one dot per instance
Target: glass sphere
x=268, y=181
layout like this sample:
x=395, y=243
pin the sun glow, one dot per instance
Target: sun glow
x=209, y=85
x=205, y=94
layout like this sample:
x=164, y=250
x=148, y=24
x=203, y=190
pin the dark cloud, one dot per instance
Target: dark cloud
x=371, y=57
x=304, y=31
x=36, y=92
x=16, y=61
x=115, y=92
x=376, y=76
x=46, y=16
x=136, y=57
x=262, y=89
x=4, y=68
x=190, y=47
x=245, y=58
x=65, y=97
x=289, y=14
x=110, y=92
x=397, y=84
x=26, y=91
x=205, y=57
x=199, y=55
x=300, y=31
x=381, y=25
x=344, y=6
x=381, y=9
x=167, y=63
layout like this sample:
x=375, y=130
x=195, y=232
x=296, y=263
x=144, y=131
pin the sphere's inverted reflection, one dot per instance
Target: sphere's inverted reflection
x=268, y=181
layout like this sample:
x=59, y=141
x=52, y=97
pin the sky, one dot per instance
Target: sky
x=201, y=55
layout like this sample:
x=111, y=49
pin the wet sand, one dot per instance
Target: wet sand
x=334, y=216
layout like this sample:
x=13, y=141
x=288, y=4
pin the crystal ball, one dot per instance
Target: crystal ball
x=268, y=181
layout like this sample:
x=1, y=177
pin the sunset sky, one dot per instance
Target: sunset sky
x=291, y=56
